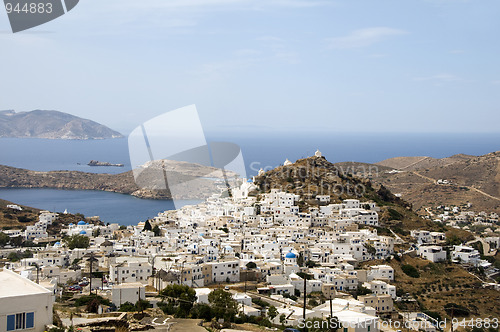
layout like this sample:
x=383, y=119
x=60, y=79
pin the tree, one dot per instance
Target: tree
x=13, y=257
x=77, y=241
x=157, y=230
x=180, y=299
x=251, y=265
x=311, y=264
x=313, y=303
x=141, y=305
x=370, y=249
x=223, y=305
x=93, y=306
x=410, y=271
x=127, y=307
x=4, y=239
x=282, y=319
x=16, y=241
x=300, y=260
x=272, y=312
x=96, y=232
x=201, y=310
x=147, y=226
x=362, y=290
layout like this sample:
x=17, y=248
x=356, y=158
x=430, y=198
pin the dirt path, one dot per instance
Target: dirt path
x=468, y=187
x=412, y=164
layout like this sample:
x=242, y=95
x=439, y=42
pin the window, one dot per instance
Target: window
x=21, y=321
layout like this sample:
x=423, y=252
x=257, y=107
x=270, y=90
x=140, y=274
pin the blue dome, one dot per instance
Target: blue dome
x=249, y=180
x=83, y=232
x=71, y=224
x=81, y=223
x=290, y=255
x=57, y=243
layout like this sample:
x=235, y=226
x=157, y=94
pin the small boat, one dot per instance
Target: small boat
x=103, y=163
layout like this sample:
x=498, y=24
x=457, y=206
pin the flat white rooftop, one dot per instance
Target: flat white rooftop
x=12, y=284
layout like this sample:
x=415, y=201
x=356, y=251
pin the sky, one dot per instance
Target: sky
x=256, y=66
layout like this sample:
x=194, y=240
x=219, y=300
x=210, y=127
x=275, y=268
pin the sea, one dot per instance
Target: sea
x=258, y=150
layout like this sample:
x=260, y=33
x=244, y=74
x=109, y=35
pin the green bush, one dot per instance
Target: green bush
x=395, y=215
x=455, y=310
x=260, y=302
x=127, y=307
x=410, y=271
x=86, y=299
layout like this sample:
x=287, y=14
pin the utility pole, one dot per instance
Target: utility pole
x=91, y=260
x=331, y=308
x=305, y=298
x=246, y=277
x=90, y=283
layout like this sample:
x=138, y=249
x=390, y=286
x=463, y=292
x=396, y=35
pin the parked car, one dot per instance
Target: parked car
x=84, y=283
x=75, y=288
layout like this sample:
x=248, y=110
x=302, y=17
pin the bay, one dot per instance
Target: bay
x=110, y=207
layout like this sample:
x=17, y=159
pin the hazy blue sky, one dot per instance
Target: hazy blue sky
x=256, y=65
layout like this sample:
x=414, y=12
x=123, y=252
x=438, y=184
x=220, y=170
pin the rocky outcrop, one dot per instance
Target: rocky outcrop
x=52, y=125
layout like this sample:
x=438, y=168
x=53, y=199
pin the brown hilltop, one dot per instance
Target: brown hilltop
x=419, y=163
x=470, y=179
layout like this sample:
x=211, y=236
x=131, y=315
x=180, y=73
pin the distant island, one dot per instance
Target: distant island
x=51, y=125
x=103, y=163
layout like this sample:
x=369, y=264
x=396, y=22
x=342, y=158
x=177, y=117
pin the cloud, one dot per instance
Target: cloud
x=364, y=37
x=217, y=4
x=377, y=55
x=214, y=71
x=440, y=78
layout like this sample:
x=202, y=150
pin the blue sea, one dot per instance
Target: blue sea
x=259, y=151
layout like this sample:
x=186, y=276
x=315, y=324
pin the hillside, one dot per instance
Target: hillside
x=474, y=180
x=11, y=218
x=15, y=219
x=52, y=125
x=314, y=176
x=418, y=163
x=439, y=284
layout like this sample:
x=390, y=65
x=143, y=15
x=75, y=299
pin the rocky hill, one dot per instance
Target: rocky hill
x=314, y=176
x=13, y=218
x=52, y=125
x=418, y=163
x=465, y=179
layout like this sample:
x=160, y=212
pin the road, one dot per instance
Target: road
x=185, y=325
x=418, y=161
x=486, y=246
x=468, y=187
